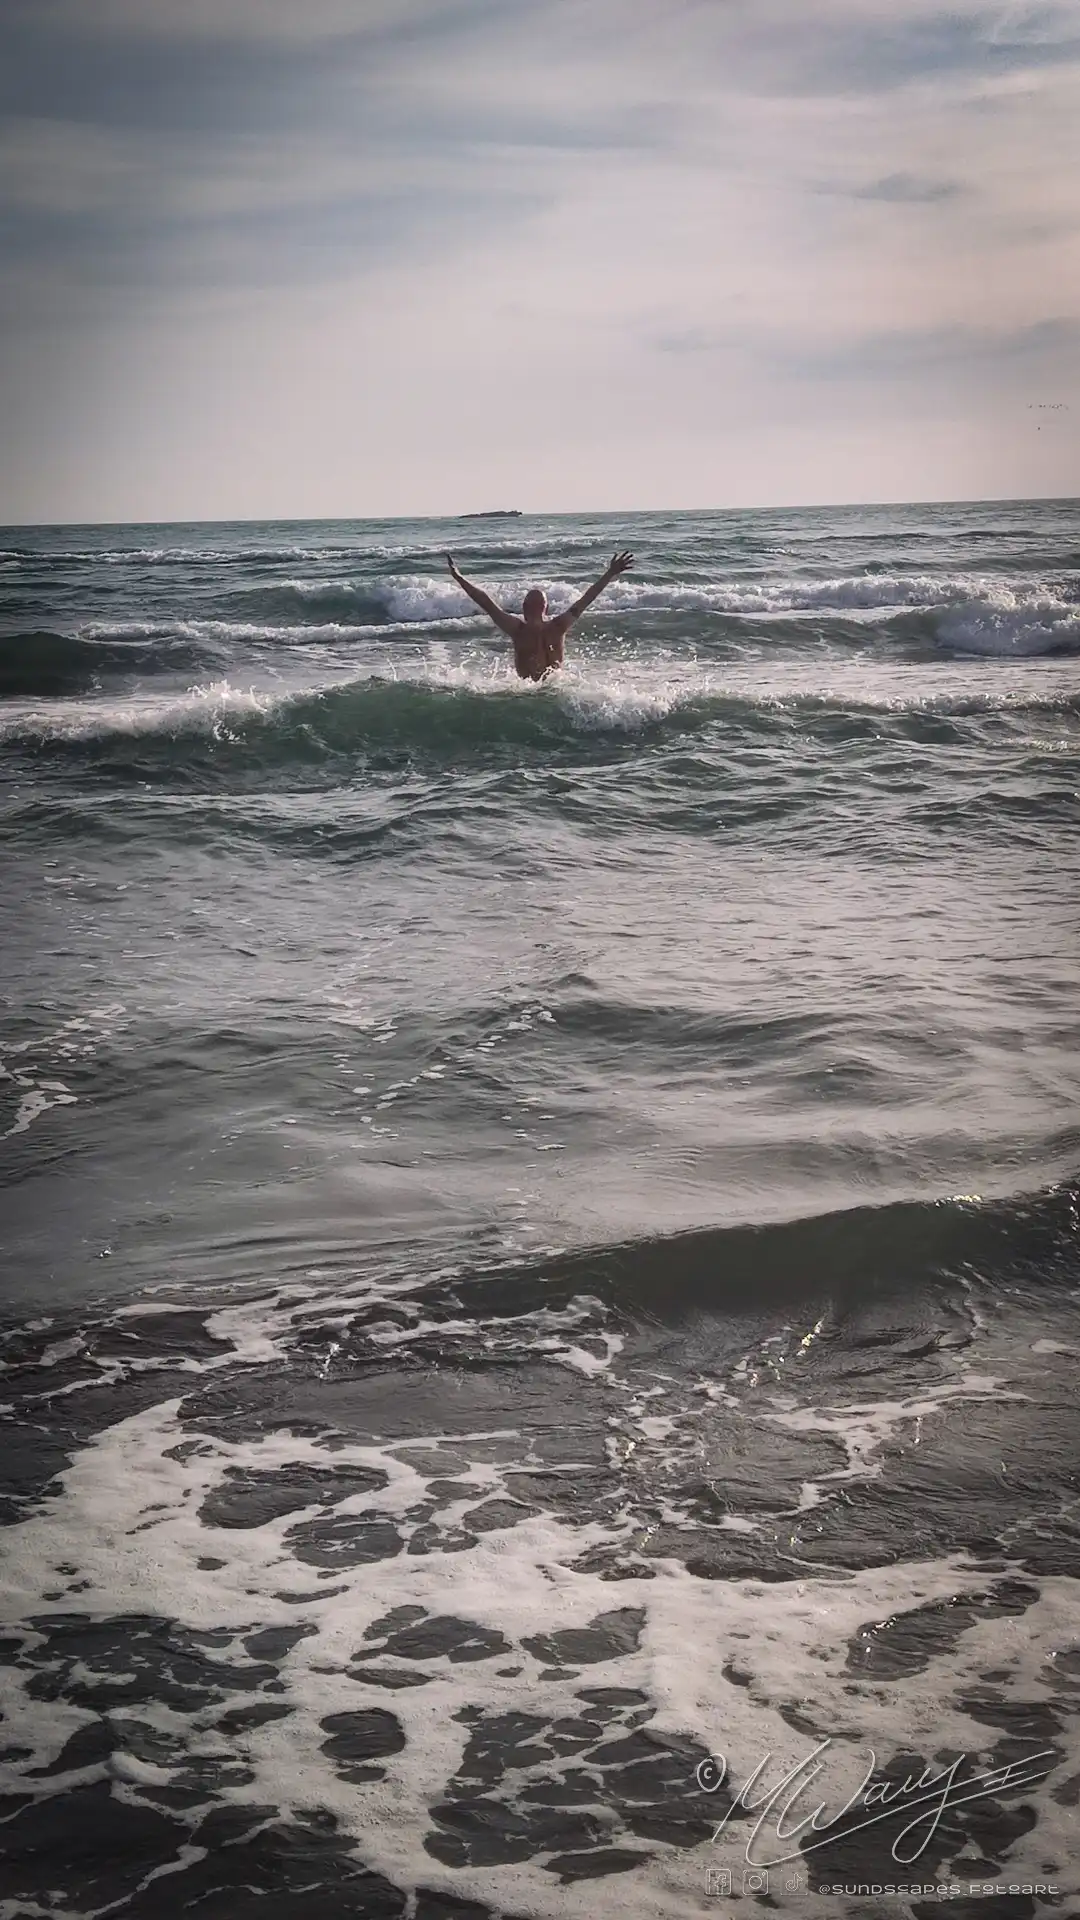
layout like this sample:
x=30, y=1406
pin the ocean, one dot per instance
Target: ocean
x=540, y=1222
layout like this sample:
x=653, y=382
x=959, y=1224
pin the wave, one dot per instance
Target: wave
x=451, y=712
x=957, y=614
x=445, y=716
x=422, y=601
x=246, y=632
x=412, y=600
x=972, y=1250
x=466, y=541
x=1005, y=624
x=907, y=1245
x=41, y=662
x=968, y=613
x=205, y=556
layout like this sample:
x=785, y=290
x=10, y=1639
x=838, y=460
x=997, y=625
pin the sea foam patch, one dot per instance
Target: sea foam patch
x=441, y=1622
x=30, y=1068
x=408, y=1607
x=496, y=1721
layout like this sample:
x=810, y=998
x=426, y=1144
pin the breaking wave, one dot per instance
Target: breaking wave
x=455, y=712
x=417, y=598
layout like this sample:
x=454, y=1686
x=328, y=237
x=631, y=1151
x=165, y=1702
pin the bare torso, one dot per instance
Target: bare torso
x=539, y=646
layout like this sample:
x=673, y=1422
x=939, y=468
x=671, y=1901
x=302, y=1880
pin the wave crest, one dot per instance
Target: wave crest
x=966, y=612
x=465, y=712
x=1005, y=624
x=43, y=663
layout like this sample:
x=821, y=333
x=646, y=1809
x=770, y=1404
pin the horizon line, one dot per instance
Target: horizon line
x=540, y=513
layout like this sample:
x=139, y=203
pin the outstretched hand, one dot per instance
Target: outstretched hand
x=618, y=564
x=452, y=564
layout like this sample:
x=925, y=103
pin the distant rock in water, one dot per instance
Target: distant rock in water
x=497, y=513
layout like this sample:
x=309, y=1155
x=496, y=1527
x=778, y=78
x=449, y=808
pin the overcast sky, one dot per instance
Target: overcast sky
x=379, y=257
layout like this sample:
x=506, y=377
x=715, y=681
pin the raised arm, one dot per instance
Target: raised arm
x=503, y=620
x=616, y=565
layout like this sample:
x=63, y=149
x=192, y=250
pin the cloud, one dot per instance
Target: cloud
x=240, y=21
x=909, y=189
x=853, y=48
x=1048, y=345
x=249, y=140
x=898, y=362
x=169, y=66
x=440, y=229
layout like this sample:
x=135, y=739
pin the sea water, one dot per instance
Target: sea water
x=539, y=1222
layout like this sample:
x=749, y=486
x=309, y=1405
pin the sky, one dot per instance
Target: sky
x=313, y=258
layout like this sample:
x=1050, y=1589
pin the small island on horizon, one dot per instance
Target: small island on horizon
x=496, y=513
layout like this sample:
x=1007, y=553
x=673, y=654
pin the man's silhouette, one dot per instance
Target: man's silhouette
x=539, y=642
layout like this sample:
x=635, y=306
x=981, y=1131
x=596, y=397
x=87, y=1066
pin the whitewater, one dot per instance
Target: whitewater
x=540, y=1224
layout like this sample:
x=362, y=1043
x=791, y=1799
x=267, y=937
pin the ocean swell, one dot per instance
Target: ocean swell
x=966, y=613
x=457, y=714
x=44, y=663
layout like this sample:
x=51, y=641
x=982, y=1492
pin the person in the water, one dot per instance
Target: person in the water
x=539, y=642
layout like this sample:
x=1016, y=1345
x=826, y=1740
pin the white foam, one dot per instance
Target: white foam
x=600, y=690
x=35, y=1101
x=38, y=1090
x=621, y=700
x=207, y=708
x=127, y=1520
x=864, y=1428
x=328, y=631
x=355, y=553
x=1004, y=623
x=62, y=1350
x=657, y=1426
x=254, y=1337
x=418, y=598
x=595, y=694
x=973, y=613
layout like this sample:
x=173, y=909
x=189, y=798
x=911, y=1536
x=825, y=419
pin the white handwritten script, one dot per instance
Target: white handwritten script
x=787, y=1808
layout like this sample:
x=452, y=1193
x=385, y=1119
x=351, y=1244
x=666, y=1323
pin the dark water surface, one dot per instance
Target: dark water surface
x=539, y=1223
